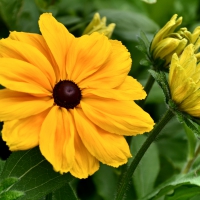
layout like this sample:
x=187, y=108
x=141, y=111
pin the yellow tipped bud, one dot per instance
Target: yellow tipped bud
x=166, y=41
x=99, y=25
x=166, y=30
x=166, y=48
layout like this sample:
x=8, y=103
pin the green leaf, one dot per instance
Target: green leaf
x=11, y=195
x=7, y=193
x=184, y=193
x=37, y=177
x=146, y=173
x=105, y=180
x=129, y=24
x=66, y=192
x=142, y=48
x=143, y=38
x=6, y=183
x=2, y=163
x=169, y=187
x=150, y=1
x=20, y=15
x=145, y=62
x=192, y=141
x=190, y=122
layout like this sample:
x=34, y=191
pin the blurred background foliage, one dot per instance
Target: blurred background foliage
x=168, y=155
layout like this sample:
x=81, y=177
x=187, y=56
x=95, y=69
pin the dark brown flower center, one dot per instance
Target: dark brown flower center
x=67, y=94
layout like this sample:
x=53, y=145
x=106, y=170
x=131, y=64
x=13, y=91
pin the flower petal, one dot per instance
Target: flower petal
x=108, y=148
x=86, y=55
x=188, y=60
x=169, y=27
x=85, y=164
x=56, y=139
x=23, y=77
x=119, y=117
x=192, y=102
x=131, y=89
x=16, y=105
x=25, y=52
x=181, y=86
x=113, y=72
x=39, y=43
x=23, y=134
x=58, y=40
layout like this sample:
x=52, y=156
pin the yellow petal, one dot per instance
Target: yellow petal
x=85, y=164
x=131, y=89
x=165, y=47
x=25, y=52
x=174, y=79
x=120, y=117
x=23, y=77
x=183, y=86
x=58, y=40
x=56, y=139
x=108, y=148
x=188, y=60
x=182, y=44
x=23, y=134
x=191, y=102
x=169, y=27
x=16, y=105
x=113, y=72
x=195, y=35
x=180, y=81
x=39, y=43
x=195, y=111
x=86, y=55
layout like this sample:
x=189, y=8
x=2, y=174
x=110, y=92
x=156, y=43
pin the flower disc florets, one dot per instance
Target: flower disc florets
x=67, y=94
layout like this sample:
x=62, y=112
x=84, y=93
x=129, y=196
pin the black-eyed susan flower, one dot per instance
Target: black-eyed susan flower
x=99, y=25
x=184, y=76
x=168, y=41
x=71, y=96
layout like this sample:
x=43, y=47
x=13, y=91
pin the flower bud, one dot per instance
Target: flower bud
x=192, y=38
x=167, y=47
x=99, y=25
x=167, y=42
x=184, y=83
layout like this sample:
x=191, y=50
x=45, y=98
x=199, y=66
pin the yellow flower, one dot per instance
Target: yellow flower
x=167, y=42
x=99, y=25
x=184, y=81
x=71, y=96
x=192, y=38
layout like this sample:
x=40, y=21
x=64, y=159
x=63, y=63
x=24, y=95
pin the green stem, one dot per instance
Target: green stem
x=147, y=88
x=191, y=161
x=128, y=174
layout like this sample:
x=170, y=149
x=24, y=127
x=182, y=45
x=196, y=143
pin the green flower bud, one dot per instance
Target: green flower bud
x=99, y=25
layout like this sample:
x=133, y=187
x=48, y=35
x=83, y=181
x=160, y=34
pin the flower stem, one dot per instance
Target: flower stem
x=191, y=161
x=128, y=174
x=147, y=88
